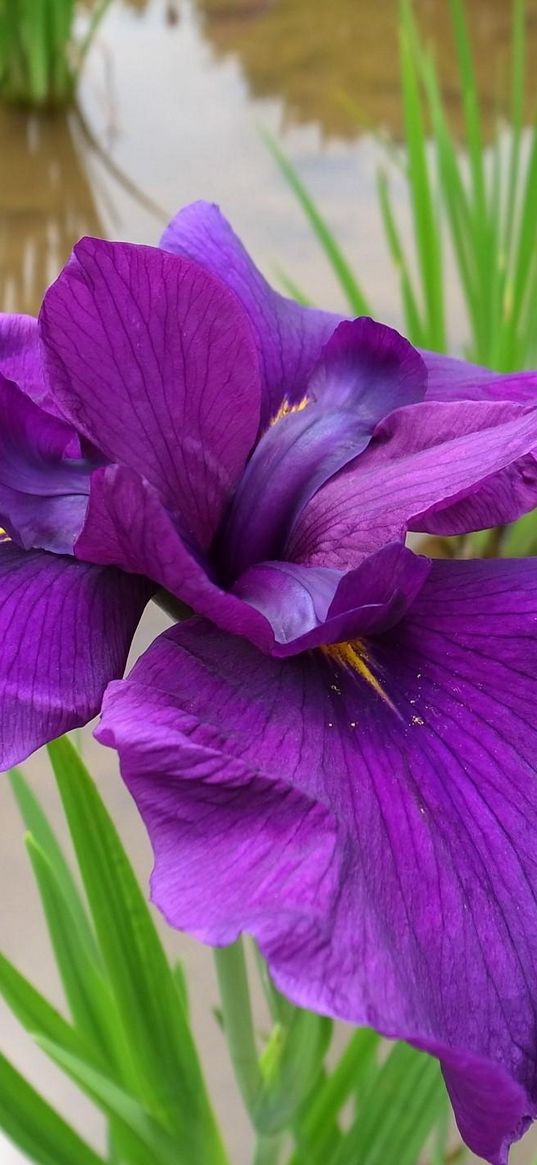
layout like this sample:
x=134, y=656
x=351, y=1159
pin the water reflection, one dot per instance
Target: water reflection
x=177, y=117
x=336, y=64
x=47, y=202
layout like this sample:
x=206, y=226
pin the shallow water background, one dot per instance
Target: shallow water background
x=171, y=111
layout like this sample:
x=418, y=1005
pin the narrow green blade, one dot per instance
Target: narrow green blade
x=90, y=1002
x=35, y=1013
x=397, y=1111
x=35, y=1127
x=356, y=299
x=416, y=330
x=147, y=1141
x=37, y=824
x=317, y=1133
x=293, y=1069
x=155, y=1028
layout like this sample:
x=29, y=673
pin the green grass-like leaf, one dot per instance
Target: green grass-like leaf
x=145, y=1139
x=357, y=301
x=166, y=1074
x=39, y=59
x=38, y=826
x=397, y=1111
x=317, y=1133
x=32, y=1124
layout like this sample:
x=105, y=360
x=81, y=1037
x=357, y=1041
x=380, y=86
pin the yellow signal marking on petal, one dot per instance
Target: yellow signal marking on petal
x=286, y=409
x=353, y=656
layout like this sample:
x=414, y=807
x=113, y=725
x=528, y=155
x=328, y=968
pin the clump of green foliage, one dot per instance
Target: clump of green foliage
x=472, y=201
x=40, y=55
x=478, y=199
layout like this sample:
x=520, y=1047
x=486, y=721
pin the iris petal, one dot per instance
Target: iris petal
x=21, y=355
x=453, y=379
x=414, y=839
x=65, y=629
x=365, y=371
x=43, y=487
x=154, y=361
x=424, y=462
x=289, y=337
x=310, y=606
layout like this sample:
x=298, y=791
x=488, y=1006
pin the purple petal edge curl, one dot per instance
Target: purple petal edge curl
x=127, y=526
x=21, y=355
x=311, y=606
x=428, y=466
x=65, y=630
x=365, y=371
x=44, y=481
x=414, y=839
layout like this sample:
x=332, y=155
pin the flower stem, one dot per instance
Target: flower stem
x=238, y=1021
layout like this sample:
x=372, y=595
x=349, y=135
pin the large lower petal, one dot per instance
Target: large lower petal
x=154, y=360
x=289, y=337
x=65, y=630
x=427, y=462
x=413, y=836
x=43, y=486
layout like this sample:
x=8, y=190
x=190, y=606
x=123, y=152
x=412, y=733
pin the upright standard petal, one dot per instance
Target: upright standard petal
x=44, y=481
x=289, y=337
x=365, y=371
x=413, y=839
x=65, y=629
x=154, y=360
x=424, y=462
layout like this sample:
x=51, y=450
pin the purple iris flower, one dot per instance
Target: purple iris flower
x=337, y=752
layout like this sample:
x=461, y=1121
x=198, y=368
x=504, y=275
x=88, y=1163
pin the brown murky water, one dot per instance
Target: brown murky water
x=171, y=112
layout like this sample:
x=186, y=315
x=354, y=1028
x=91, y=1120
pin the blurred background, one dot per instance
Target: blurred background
x=170, y=108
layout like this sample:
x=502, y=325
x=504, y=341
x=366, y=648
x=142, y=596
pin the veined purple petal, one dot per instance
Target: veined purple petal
x=499, y=499
x=289, y=337
x=365, y=371
x=416, y=845
x=21, y=356
x=154, y=361
x=65, y=630
x=280, y=607
x=450, y=379
x=425, y=460
x=312, y=605
x=43, y=489
x=368, y=366
x=127, y=526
